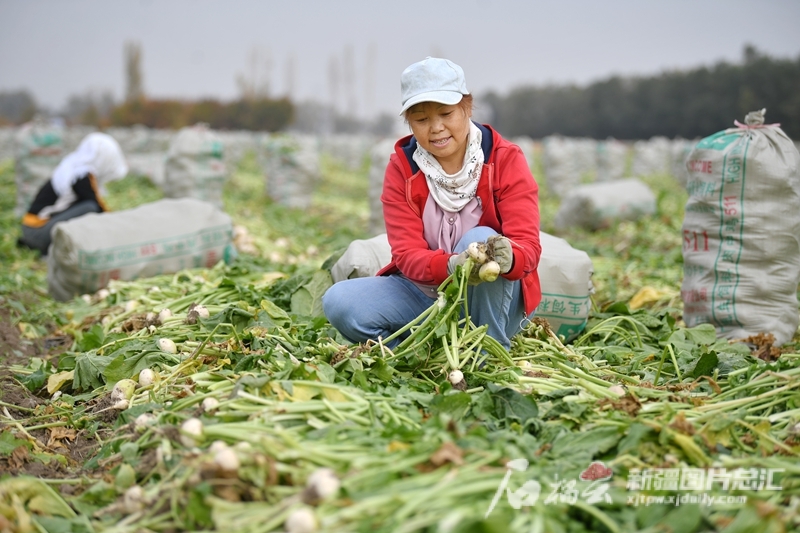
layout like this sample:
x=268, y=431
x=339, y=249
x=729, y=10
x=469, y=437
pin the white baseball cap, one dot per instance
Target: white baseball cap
x=432, y=80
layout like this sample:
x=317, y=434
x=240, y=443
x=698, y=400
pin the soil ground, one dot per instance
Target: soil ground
x=69, y=451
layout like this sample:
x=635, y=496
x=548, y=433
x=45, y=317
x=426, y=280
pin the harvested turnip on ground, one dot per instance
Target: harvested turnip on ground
x=240, y=409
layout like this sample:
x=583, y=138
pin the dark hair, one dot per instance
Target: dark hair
x=465, y=104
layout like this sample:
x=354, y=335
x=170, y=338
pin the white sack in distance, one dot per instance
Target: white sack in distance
x=599, y=205
x=161, y=237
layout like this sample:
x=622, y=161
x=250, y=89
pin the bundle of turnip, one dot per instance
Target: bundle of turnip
x=443, y=339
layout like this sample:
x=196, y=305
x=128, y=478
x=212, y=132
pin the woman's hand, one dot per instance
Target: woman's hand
x=496, y=249
x=500, y=250
x=459, y=260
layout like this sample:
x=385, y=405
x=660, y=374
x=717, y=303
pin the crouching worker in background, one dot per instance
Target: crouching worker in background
x=75, y=188
x=451, y=183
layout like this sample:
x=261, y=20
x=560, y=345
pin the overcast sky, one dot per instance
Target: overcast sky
x=351, y=52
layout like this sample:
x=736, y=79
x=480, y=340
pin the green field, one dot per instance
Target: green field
x=638, y=424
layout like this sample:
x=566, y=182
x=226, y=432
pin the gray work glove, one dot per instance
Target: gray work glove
x=500, y=247
x=459, y=260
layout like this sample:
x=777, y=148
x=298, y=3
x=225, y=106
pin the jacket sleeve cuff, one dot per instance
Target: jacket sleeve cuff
x=518, y=268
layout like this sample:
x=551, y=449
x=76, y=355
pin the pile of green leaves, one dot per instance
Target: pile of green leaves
x=413, y=453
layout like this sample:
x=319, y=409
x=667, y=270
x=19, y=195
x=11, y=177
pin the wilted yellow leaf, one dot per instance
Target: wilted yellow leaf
x=763, y=428
x=55, y=381
x=648, y=295
x=29, y=494
x=57, y=434
x=270, y=277
x=334, y=395
x=398, y=446
x=302, y=393
x=28, y=331
x=273, y=310
x=278, y=390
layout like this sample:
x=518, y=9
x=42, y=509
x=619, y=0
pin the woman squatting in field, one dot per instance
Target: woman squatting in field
x=453, y=182
x=74, y=189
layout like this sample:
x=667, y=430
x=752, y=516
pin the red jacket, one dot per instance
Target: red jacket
x=509, y=196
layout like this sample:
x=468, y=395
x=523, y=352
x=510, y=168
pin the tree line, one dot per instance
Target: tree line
x=682, y=103
x=688, y=104
x=256, y=114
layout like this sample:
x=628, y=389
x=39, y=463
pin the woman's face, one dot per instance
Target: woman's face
x=442, y=130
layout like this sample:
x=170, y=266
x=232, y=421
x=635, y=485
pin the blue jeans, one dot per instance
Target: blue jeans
x=39, y=238
x=368, y=308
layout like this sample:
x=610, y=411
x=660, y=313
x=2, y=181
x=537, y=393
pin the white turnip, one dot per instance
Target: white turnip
x=477, y=251
x=209, y=404
x=123, y=391
x=196, y=311
x=321, y=484
x=133, y=499
x=226, y=460
x=617, y=389
x=192, y=431
x=143, y=421
x=489, y=271
x=217, y=445
x=302, y=520
x=146, y=377
x=167, y=345
x=455, y=377
x=201, y=311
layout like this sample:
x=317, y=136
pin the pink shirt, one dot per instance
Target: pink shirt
x=442, y=229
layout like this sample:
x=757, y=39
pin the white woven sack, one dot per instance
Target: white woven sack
x=6, y=143
x=568, y=162
x=680, y=150
x=194, y=166
x=612, y=159
x=651, y=156
x=149, y=164
x=565, y=275
x=141, y=139
x=73, y=135
x=598, y=205
x=238, y=144
x=161, y=237
x=585, y=154
x=559, y=164
x=741, y=232
x=349, y=150
x=379, y=160
x=291, y=166
x=38, y=149
x=363, y=258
